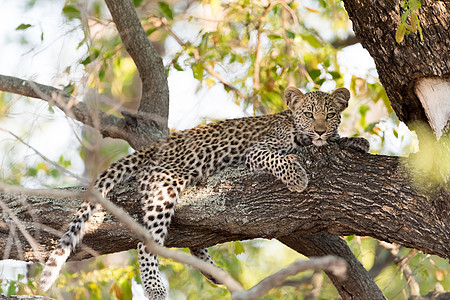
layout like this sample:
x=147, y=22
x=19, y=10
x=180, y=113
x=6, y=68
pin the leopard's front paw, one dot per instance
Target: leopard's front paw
x=294, y=176
x=357, y=143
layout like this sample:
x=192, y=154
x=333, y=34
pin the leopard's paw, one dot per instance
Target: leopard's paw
x=294, y=176
x=358, y=143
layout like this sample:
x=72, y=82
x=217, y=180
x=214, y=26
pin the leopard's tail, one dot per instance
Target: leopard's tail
x=118, y=172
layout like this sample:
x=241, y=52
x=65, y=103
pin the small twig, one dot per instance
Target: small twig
x=58, y=167
x=60, y=233
x=22, y=229
x=402, y=263
x=288, y=42
x=317, y=282
x=336, y=265
x=290, y=11
x=111, y=126
x=258, y=55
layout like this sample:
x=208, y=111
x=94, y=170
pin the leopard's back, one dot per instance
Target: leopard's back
x=207, y=149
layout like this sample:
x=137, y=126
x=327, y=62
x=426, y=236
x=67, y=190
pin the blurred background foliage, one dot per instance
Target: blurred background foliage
x=251, y=49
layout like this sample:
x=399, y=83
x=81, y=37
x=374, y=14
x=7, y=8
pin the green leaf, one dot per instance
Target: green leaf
x=274, y=36
x=405, y=16
x=150, y=31
x=71, y=12
x=177, y=67
x=290, y=34
x=238, y=248
x=275, y=98
x=23, y=26
x=415, y=4
x=351, y=237
x=420, y=29
x=101, y=74
x=94, y=54
x=314, y=74
x=197, y=71
x=136, y=3
x=165, y=9
x=69, y=88
x=11, y=288
x=32, y=172
x=54, y=173
x=370, y=127
x=363, y=109
x=312, y=40
x=336, y=75
x=413, y=22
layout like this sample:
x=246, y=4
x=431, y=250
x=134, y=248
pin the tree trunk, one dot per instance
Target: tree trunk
x=401, y=65
x=349, y=193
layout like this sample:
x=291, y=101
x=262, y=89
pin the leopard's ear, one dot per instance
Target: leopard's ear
x=293, y=97
x=341, y=97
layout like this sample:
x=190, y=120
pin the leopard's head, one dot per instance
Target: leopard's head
x=317, y=114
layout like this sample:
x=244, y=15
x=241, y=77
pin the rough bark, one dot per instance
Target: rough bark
x=349, y=193
x=399, y=65
x=154, y=105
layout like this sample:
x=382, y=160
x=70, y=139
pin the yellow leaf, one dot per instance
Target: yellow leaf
x=210, y=82
x=400, y=33
x=311, y=10
x=413, y=22
x=439, y=275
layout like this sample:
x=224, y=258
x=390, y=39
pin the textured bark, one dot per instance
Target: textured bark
x=400, y=65
x=154, y=105
x=349, y=193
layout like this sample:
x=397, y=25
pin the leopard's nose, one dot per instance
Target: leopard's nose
x=320, y=132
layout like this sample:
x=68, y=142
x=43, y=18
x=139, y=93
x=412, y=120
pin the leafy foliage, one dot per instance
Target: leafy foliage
x=411, y=7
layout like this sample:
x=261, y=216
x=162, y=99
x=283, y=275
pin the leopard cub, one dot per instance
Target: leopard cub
x=264, y=143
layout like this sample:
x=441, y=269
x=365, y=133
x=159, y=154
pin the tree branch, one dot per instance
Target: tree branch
x=330, y=263
x=108, y=125
x=349, y=193
x=358, y=285
x=399, y=65
x=155, y=89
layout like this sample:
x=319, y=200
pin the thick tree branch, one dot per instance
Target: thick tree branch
x=400, y=65
x=349, y=193
x=155, y=90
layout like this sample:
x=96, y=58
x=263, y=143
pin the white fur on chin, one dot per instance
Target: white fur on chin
x=319, y=142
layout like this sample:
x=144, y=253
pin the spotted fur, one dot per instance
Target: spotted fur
x=264, y=143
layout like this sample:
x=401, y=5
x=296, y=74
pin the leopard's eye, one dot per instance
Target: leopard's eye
x=308, y=114
x=330, y=115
